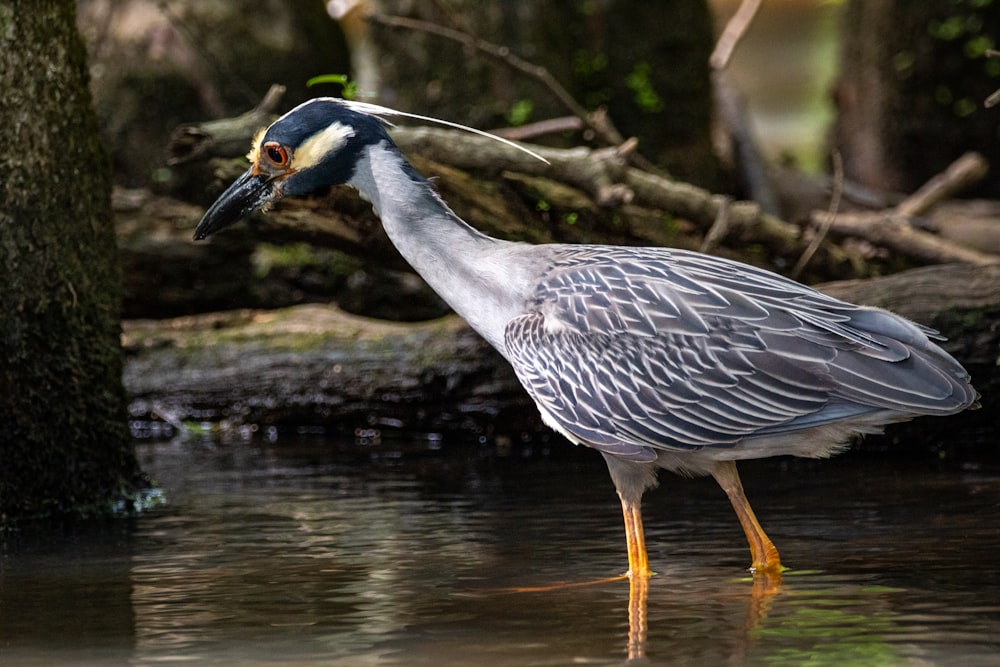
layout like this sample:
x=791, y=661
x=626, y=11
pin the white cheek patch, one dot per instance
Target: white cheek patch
x=319, y=145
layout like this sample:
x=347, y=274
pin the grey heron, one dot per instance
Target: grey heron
x=655, y=357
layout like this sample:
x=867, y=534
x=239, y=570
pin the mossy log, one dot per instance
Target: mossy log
x=317, y=365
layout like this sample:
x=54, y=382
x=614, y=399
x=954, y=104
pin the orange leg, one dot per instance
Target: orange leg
x=635, y=540
x=763, y=551
x=638, y=575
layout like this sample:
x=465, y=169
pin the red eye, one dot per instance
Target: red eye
x=276, y=153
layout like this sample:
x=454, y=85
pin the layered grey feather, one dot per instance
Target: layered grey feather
x=643, y=351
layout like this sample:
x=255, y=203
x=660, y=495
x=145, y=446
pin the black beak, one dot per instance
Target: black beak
x=248, y=193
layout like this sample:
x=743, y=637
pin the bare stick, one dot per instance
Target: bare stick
x=968, y=169
x=541, y=128
x=731, y=35
x=733, y=113
x=602, y=128
x=831, y=213
x=226, y=137
x=892, y=228
x=719, y=228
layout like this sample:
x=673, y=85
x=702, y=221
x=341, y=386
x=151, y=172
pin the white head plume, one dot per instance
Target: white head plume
x=382, y=112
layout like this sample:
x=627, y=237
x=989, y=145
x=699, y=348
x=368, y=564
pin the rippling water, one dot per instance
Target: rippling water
x=332, y=553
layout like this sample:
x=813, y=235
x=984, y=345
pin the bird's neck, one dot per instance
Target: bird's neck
x=456, y=260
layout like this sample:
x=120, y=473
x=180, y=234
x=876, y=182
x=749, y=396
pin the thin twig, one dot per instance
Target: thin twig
x=994, y=97
x=970, y=168
x=719, y=228
x=736, y=27
x=893, y=229
x=603, y=130
x=198, y=46
x=540, y=128
x=831, y=214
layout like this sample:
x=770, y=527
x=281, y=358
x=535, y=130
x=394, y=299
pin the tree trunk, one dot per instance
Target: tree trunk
x=64, y=440
x=913, y=80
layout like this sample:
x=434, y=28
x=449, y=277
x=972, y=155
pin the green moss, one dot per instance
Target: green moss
x=670, y=225
x=520, y=112
x=641, y=84
x=299, y=256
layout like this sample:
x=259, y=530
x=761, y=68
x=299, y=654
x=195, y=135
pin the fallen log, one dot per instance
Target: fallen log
x=314, y=364
x=317, y=365
x=961, y=301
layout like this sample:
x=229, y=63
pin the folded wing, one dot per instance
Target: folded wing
x=634, y=350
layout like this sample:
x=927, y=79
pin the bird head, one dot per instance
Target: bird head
x=315, y=145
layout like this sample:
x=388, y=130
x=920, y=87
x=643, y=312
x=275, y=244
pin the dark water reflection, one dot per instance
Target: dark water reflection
x=400, y=553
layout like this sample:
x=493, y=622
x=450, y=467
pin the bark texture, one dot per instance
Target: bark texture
x=64, y=442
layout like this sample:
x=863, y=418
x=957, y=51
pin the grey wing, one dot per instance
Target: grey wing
x=635, y=350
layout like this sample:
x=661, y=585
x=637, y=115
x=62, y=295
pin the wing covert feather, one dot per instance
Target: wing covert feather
x=638, y=349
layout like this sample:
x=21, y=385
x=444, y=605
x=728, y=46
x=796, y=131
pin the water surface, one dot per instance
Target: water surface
x=332, y=552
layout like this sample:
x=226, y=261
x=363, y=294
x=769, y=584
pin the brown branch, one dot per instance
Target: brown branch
x=718, y=230
x=597, y=172
x=541, y=128
x=599, y=124
x=967, y=170
x=892, y=228
x=226, y=137
x=896, y=233
x=736, y=27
